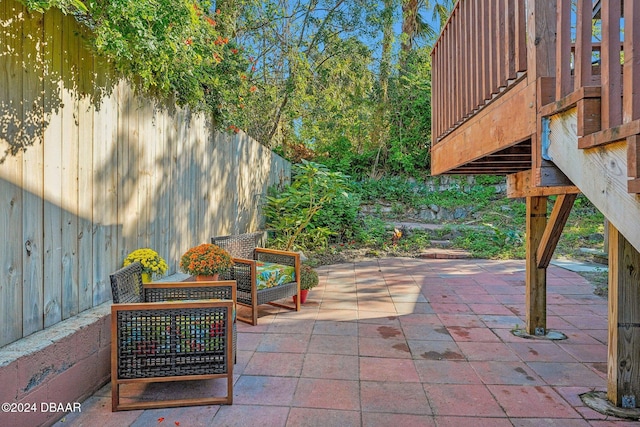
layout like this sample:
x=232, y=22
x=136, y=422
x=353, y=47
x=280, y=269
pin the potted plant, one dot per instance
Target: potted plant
x=308, y=280
x=205, y=261
x=153, y=265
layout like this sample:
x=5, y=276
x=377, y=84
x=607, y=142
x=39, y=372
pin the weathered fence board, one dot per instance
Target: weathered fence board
x=93, y=172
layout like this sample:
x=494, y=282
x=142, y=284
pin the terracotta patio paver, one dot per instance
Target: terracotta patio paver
x=400, y=341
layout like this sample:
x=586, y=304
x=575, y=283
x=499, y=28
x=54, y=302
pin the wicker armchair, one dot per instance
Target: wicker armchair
x=170, y=332
x=247, y=250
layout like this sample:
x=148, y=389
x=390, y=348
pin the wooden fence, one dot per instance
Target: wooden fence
x=90, y=171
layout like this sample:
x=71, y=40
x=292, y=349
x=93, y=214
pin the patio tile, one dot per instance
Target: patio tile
x=549, y=422
x=246, y=415
x=460, y=333
x=384, y=347
x=308, y=417
x=284, y=343
x=446, y=372
x=450, y=308
x=465, y=320
x=497, y=309
x=376, y=419
x=426, y=332
x=394, y=397
x=332, y=327
x=200, y=416
x=448, y=421
x=408, y=308
x=275, y=364
x=501, y=322
x=390, y=329
x=387, y=369
x=330, y=366
x=97, y=411
x=540, y=351
x=532, y=402
x=462, y=400
x=586, y=352
x=328, y=394
x=506, y=373
x=567, y=374
x=487, y=351
x=435, y=350
x=264, y=390
x=333, y=344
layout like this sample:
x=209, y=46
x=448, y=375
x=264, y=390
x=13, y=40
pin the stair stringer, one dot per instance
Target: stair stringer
x=600, y=173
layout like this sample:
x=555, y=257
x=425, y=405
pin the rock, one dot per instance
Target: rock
x=459, y=213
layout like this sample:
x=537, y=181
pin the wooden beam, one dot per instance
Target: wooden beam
x=601, y=175
x=633, y=150
x=536, y=278
x=609, y=136
x=521, y=185
x=553, y=230
x=623, y=362
x=570, y=101
x=505, y=122
x=549, y=175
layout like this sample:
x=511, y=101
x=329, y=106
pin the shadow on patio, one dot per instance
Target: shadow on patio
x=402, y=341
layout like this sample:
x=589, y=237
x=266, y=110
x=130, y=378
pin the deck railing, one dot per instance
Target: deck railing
x=483, y=50
x=613, y=63
x=480, y=52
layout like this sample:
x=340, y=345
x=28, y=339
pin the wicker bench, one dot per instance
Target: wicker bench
x=170, y=332
x=247, y=251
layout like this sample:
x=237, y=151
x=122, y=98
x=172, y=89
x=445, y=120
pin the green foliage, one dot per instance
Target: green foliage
x=290, y=211
x=374, y=232
x=340, y=216
x=308, y=277
x=176, y=49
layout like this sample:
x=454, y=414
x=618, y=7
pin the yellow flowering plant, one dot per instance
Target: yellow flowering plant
x=205, y=260
x=152, y=263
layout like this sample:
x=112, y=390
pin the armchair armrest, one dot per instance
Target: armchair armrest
x=172, y=291
x=278, y=256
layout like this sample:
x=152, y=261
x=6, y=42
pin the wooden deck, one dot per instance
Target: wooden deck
x=548, y=94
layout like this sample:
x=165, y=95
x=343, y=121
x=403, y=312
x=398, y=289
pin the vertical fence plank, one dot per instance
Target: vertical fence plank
x=611, y=69
x=11, y=171
x=69, y=168
x=32, y=174
x=52, y=292
x=631, y=83
x=85, y=177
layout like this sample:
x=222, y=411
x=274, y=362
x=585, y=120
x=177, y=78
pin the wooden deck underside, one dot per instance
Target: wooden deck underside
x=496, y=140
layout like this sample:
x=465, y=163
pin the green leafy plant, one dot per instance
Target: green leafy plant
x=174, y=49
x=292, y=210
x=308, y=277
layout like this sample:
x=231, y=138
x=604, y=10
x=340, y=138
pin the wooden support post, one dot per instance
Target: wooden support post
x=536, y=278
x=623, y=386
x=553, y=230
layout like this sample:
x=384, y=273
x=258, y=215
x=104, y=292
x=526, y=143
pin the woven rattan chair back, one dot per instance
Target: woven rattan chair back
x=126, y=284
x=241, y=245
